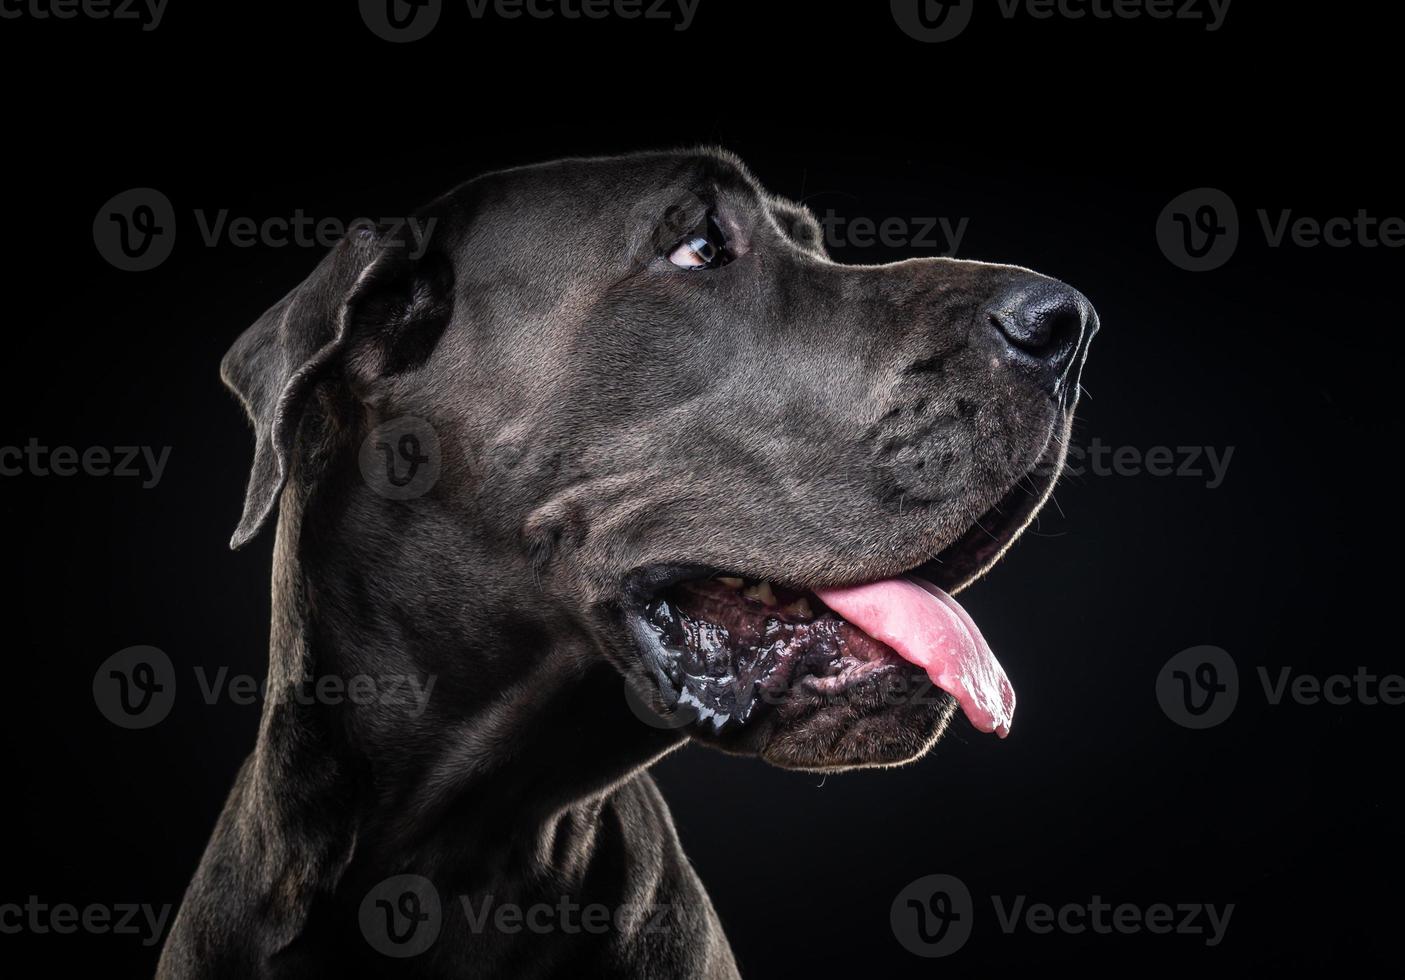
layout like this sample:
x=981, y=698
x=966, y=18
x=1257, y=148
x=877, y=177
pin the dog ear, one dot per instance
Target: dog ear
x=373, y=291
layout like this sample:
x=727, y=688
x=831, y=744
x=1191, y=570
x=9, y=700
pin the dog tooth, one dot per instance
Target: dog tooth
x=729, y=581
x=761, y=592
x=800, y=609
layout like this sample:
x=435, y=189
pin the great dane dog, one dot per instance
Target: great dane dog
x=692, y=479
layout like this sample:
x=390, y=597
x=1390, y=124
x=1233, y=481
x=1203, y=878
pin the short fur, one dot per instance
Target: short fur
x=600, y=413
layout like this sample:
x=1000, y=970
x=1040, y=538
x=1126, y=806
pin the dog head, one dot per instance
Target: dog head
x=629, y=408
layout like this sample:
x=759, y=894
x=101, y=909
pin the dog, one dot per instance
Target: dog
x=691, y=480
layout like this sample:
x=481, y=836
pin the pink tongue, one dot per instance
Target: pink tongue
x=929, y=628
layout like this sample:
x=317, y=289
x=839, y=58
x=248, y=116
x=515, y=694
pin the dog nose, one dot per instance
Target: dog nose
x=1044, y=322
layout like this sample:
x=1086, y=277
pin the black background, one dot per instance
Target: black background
x=1061, y=141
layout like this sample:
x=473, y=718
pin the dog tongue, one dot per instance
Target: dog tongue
x=929, y=628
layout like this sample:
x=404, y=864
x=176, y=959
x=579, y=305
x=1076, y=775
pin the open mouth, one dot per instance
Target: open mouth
x=736, y=646
x=729, y=647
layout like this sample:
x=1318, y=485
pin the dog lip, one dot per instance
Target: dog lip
x=850, y=677
x=645, y=583
x=953, y=566
x=977, y=549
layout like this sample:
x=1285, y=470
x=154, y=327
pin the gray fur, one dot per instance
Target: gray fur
x=600, y=413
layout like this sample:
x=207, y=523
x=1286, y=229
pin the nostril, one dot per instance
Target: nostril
x=1019, y=329
x=1062, y=327
x=1045, y=319
x=1040, y=328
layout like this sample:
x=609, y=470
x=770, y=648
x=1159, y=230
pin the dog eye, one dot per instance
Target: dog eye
x=704, y=249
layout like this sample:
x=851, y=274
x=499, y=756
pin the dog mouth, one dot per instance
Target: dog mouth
x=732, y=647
x=724, y=647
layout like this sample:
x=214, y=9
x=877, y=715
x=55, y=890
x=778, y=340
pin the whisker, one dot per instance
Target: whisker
x=987, y=531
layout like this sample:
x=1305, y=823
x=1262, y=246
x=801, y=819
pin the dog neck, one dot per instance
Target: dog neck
x=515, y=733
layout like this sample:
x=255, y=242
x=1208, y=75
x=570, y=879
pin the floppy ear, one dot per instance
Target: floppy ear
x=368, y=285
